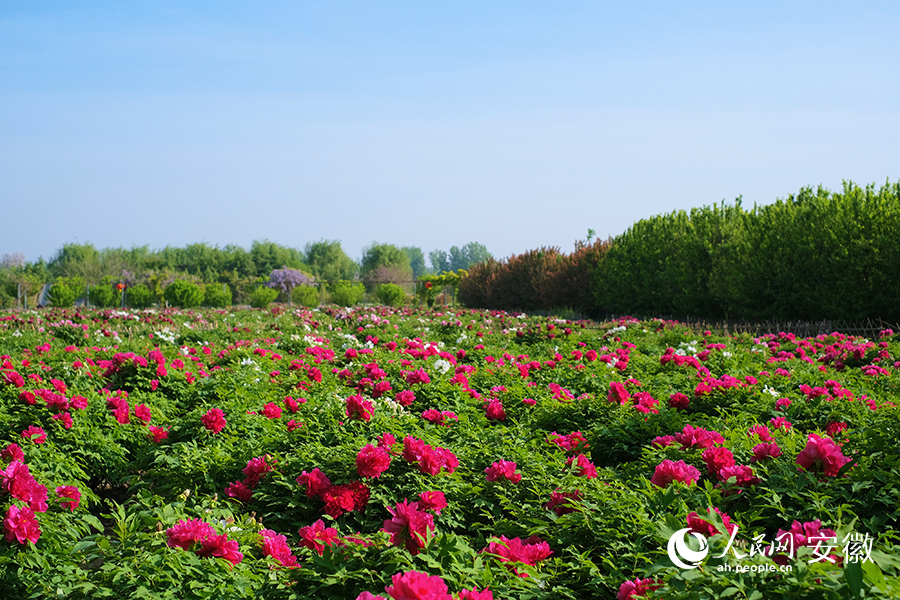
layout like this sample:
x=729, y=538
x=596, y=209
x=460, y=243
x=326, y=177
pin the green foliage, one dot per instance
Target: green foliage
x=347, y=293
x=65, y=291
x=139, y=296
x=542, y=279
x=306, y=295
x=384, y=263
x=217, y=295
x=104, y=295
x=262, y=296
x=471, y=254
x=390, y=294
x=416, y=260
x=184, y=294
x=328, y=261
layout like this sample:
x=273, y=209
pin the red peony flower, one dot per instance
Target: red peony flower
x=35, y=434
x=409, y=526
x=637, y=588
x=503, y=469
x=214, y=420
x=276, y=546
x=317, y=536
x=372, y=461
x=71, y=494
x=584, y=467
x=717, y=459
x=432, y=501
x=668, y=471
x=413, y=585
x=821, y=454
x=271, y=411
x=20, y=525
x=316, y=482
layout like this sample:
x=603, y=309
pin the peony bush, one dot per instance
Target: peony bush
x=382, y=452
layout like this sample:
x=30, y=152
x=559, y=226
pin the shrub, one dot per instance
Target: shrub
x=390, y=294
x=217, y=295
x=347, y=293
x=103, y=295
x=262, y=296
x=139, y=296
x=306, y=295
x=184, y=294
x=65, y=291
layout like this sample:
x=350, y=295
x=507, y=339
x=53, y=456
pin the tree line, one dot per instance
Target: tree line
x=232, y=266
x=816, y=255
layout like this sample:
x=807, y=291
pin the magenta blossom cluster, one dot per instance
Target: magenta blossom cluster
x=516, y=550
x=201, y=537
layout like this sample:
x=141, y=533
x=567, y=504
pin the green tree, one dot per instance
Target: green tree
x=328, y=261
x=384, y=263
x=416, y=260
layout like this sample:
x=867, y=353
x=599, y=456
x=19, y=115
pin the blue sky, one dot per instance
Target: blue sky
x=432, y=124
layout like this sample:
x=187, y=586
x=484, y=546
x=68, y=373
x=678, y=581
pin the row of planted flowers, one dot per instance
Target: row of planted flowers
x=434, y=439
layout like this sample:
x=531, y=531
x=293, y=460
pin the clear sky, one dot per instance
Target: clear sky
x=513, y=124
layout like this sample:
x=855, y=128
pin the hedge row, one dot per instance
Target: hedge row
x=816, y=255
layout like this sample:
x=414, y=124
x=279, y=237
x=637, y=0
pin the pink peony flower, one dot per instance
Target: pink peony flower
x=763, y=451
x=240, y=491
x=717, y=458
x=220, y=546
x=358, y=408
x=186, y=533
x=668, y=471
x=584, y=467
x=271, y=411
x=530, y=551
x=679, y=400
x=214, y=420
x=704, y=527
x=808, y=534
x=20, y=525
x=345, y=498
x=256, y=469
x=697, y=437
x=503, y=469
x=317, y=536
x=474, y=594
x=316, y=482
x=573, y=442
x=494, y=411
x=71, y=494
x=762, y=431
x=35, y=434
x=12, y=452
x=821, y=453
x=618, y=394
x=418, y=376
x=414, y=585
x=276, y=546
x=432, y=501
x=406, y=397
x=637, y=588
x=158, y=434
x=742, y=473
x=409, y=526
x=372, y=461
x=563, y=502
x=142, y=413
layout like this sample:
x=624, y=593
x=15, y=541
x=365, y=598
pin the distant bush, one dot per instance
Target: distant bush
x=217, y=295
x=390, y=294
x=306, y=295
x=536, y=280
x=139, y=296
x=346, y=293
x=184, y=294
x=104, y=295
x=262, y=296
x=65, y=291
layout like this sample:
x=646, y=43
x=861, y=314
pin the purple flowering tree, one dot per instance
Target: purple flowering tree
x=286, y=279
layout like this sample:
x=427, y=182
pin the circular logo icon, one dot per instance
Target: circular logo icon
x=678, y=549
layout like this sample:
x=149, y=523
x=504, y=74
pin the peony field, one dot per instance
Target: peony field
x=450, y=454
